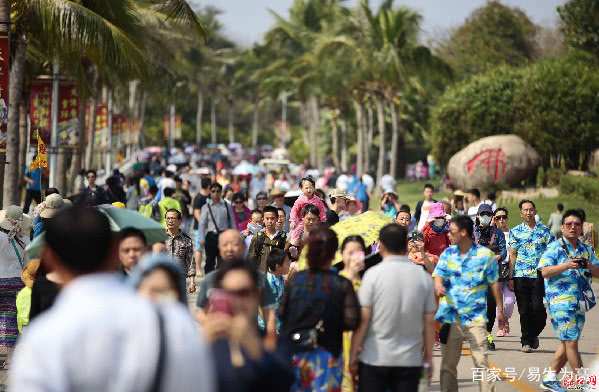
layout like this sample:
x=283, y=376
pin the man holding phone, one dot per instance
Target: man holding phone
x=231, y=249
x=567, y=266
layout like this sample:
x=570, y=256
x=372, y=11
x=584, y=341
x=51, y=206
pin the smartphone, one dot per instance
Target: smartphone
x=220, y=302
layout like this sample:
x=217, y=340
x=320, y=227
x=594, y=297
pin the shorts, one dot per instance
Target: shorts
x=567, y=323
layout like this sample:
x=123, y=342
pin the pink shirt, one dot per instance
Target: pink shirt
x=300, y=203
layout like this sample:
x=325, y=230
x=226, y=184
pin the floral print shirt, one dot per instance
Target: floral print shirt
x=529, y=245
x=466, y=279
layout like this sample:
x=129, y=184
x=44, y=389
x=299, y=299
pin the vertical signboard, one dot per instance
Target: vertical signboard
x=4, y=73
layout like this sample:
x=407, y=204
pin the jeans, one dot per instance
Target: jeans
x=451, y=352
x=388, y=378
x=529, y=297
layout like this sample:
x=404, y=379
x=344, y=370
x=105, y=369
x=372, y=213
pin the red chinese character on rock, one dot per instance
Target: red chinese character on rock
x=492, y=160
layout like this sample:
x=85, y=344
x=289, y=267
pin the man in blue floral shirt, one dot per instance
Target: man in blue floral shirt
x=527, y=243
x=463, y=275
x=566, y=266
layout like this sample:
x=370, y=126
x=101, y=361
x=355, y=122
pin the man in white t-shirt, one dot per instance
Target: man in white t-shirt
x=473, y=197
x=395, y=338
x=423, y=206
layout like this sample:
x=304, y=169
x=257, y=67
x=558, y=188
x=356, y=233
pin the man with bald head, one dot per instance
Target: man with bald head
x=231, y=248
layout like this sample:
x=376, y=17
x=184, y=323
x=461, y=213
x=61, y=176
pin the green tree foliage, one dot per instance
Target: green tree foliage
x=580, y=24
x=493, y=35
x=553, y=105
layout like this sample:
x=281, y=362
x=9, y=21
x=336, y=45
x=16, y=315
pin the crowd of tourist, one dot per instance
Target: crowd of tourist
x=254, y=290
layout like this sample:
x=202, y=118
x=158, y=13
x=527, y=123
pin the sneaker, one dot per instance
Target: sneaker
x=490, y=343
x=526, y=349
x=535, y=344
x=553, y=386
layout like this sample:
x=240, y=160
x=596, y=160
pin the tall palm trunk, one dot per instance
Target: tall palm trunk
x=199, y=115
x=314, y=131
x=142, y=118
x=360, y=136
x=304, y=119
x=77, y=161
x=369, y=136
x=380, y=112
x=15, y=89
x=213, y=120
x=91, y=134
x=335, y=138
x=343, y=126
x=23, y=138
x=230, y=122
x=394, y=139
x=255, y=122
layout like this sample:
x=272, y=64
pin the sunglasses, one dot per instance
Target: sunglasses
x=500, y=217
x=572, y=224
x=241, y=293
x=262, y=198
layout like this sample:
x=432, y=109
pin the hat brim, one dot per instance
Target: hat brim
x=47, y=213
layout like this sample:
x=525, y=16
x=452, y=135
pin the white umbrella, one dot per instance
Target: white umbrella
x=245, y=168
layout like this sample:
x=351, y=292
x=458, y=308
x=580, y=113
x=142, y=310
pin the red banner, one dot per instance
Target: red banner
x=4, y=73
x=40, y=101
x=68, y=114
x=40, y=109
x=101, y=136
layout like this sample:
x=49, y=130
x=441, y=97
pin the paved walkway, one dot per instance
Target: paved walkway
x=507, y=357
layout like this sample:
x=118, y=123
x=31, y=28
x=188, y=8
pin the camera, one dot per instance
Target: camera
x=582, y=262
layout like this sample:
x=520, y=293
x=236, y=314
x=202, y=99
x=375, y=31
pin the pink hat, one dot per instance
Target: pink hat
x=436, y=211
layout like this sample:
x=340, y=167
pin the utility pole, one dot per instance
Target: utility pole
x=109, y=142
x=53, y=150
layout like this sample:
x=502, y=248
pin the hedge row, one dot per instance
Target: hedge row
x=586, y=187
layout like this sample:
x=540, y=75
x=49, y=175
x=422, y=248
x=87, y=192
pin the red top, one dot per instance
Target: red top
x=435, y=243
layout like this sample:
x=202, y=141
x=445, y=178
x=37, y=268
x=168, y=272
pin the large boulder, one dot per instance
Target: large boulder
x=501, y=160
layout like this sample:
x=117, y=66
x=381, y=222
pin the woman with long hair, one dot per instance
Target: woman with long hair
x=317, y=307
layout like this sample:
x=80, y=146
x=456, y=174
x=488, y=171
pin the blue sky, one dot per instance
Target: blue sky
x=246, y=20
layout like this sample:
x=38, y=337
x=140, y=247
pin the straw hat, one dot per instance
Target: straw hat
x=338, y=193
x=52, y=204
x=459, y=193
x=12, y=219
x=277, y=192
x=28, y=274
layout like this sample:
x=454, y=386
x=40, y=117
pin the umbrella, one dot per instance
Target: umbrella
x=119, y=218
x=366, y=225
x=245, y=168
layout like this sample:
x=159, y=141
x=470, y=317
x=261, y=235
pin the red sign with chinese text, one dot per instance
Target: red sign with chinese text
x=4, y=74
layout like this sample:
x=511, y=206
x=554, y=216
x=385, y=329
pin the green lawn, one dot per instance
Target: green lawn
x=410, y=192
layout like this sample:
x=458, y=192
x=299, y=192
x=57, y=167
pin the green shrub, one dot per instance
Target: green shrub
x=585, y=187
x=553, y=176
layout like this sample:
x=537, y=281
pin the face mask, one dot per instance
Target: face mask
x=439, y=222
x=484, y=220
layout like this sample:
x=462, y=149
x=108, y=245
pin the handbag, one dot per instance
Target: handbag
x=306, y=339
